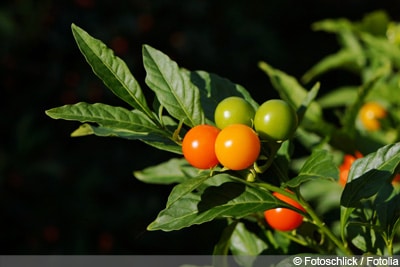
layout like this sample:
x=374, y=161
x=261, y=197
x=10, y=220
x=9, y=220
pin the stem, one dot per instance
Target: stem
x=389, y=244
x=390, y=247
x=273, y=149
x=294, y=238
x=322, y=226
x=175, y=135
x=303, y=242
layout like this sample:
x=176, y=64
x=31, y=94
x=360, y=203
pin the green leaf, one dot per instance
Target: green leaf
x=319, y=165
x=350, y=57
x=368, y=174
x=107, y=116
x=172, y=171
x=181, y=190
x=387, y=206
x=245, y=245
x=214, y=89
x=172, y=87
x=111, y=70
x=383, y=47
x=153, y=139
x=219, y=196
x=366, y=238
x=344, y=58
x=342, y=96
x=244, y=242
x=375, y=22
x=307, y=102
x=222, y=247
x=333, y=25
x=116, y=122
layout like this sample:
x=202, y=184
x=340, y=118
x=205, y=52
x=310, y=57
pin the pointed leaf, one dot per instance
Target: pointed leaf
x=244, y=242
x=111, y=70
x=342, y=96
x=172, y=87
x=333, y=25
x=181, y=190
x=219, y=197
x=245, y=245
x=107, y=116
x=319, y=165
x=344, y=58
x=387, y=205
x=153, y=139
x=368, y=175
x=222, y=247
x=172, y=171
x=116, y=121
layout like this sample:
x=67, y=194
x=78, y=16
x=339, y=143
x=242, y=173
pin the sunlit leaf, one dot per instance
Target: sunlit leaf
x=111, y=70
x=319, y=165
x=172, y=86
x=175, y=170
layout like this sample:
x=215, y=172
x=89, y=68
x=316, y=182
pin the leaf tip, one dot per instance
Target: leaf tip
x=150, y=227
x=50, y=113
x=74, y=27
x=262, y=65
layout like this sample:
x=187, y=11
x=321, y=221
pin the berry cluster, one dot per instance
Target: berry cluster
x=235, y=141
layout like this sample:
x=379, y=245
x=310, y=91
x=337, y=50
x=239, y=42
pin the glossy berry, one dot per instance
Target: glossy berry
x=233, y=110
x=237, y=147
x=275, y=120
x=284, y=219
x=198, y=146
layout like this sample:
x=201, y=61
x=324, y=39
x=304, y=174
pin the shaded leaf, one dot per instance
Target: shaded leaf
x=223, y=245
x=368, y=174
x=213, y=89
x=245, y=245
x=367, y=177
x=219, y=197
x=244, y=242
x=387, y=206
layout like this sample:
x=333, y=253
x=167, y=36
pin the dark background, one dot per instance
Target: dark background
x=62, y=195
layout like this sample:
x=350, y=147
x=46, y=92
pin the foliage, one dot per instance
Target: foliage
x=361, y=218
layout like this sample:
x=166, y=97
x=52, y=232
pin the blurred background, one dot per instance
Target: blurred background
x=63, y=195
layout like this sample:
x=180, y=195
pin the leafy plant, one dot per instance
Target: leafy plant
x=362, y=217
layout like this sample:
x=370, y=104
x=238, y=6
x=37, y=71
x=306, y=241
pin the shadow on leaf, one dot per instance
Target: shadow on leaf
x=215, y=196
